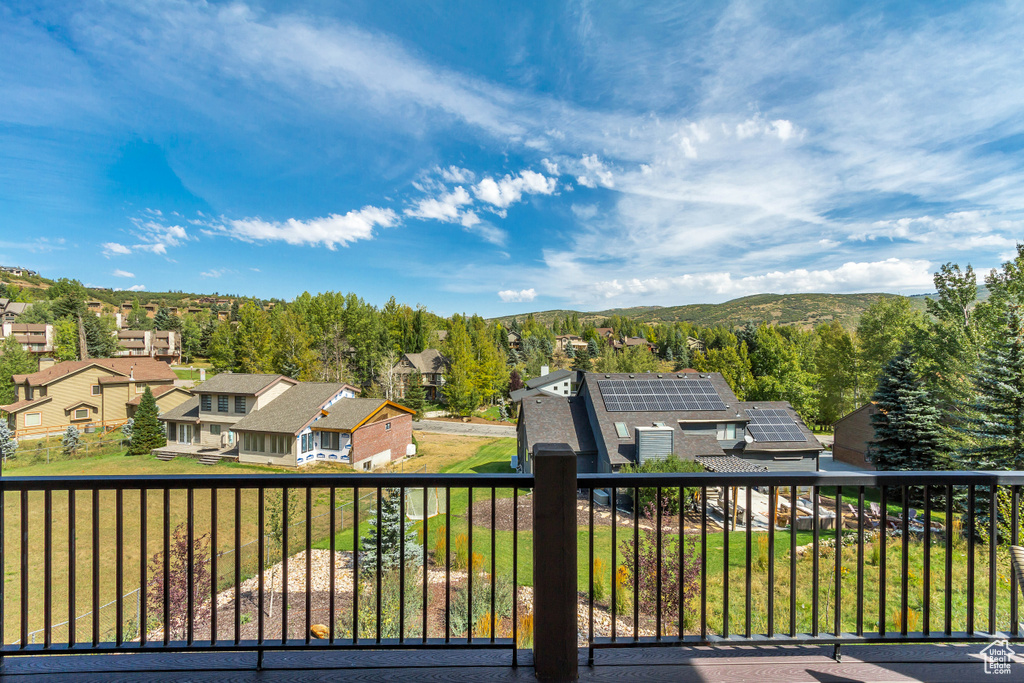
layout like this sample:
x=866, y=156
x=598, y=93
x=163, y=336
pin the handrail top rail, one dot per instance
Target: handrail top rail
x=255, y=481
x=902, y=478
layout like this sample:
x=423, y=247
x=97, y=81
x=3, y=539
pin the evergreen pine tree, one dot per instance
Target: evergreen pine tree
x=415, y=395
x=994, y=423
x=581, y=362
x=147, y=432
x=907, y=424
x=389, y=532
x=592, y=349
x=8, y=444
x=162, y=319
x=126, y=429
x=71, y=441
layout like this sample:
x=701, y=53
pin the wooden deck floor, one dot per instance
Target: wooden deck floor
x=933, y=663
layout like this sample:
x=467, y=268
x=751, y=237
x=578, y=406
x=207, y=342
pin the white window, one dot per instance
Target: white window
x=95, y=389
x=82, y=414
x=387, y=427
x=140, y=388
x=726, y=432
x=33, y=419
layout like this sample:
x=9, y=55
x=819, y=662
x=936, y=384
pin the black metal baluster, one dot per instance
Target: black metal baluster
x=905, y=562
x=190, y=571
x=143, y=578
x=882, y=559
x=839, y=562
x=330, y=592
x=167, y=566
x=213, y=566
x=590, y=592
x=682, y=564
x=469, y=569
x=816, y=569
x=772, y=521
x=949, y=562
x=48, y=568
x=971, y=510
x=309, y=561
x=792, y=562
x=379, y=524
x=927, y=588
x=1014, y=540
x=3, y=579
x=704, y=563
x=860, y=560
x=95, y=567
x=448, y=564
x=657, y=564
x=118, y=567
x=426, y=574
x=993, y=537
x=285, y=504
x=72, y=569
x=238, y=565
x=615, y=564
x=401, y=565
x=726, y=510
x=636, y=564
x=515, y=576
x=494, y=555
x=25, y=574
x=355, y=563
x=749, y=540
x=260, y=551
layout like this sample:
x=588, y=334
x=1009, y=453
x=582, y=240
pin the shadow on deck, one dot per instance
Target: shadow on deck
x=956, y=663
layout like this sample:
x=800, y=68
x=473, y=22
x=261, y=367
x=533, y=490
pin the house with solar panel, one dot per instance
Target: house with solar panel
x=619, y=419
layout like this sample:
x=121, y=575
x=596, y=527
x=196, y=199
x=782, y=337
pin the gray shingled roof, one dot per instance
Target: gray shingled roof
x=692, y=446
x=427, y=362
x=622, y=451
x=292, y=410
x=349, y=413
x=555, y=376
x=184, y=412
x=557, y=419
x=728, y=463
x=238, y=383
x=812, y=443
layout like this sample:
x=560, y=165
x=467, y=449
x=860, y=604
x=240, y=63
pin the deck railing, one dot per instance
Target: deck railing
x=641, y=560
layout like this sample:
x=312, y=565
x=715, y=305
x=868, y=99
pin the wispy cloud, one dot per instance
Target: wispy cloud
x=133, y=288
x=122, y=273
x=331, y=231
x=215, y=272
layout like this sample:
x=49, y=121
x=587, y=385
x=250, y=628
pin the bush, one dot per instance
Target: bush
x=622, y=592
x=599, y=587
x=460, y=617
x=71, y=441
x=669, y=496
x=461, y=552
x=669, y=575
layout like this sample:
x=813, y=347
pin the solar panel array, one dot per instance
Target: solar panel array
x=647, y=395
x=773, y=424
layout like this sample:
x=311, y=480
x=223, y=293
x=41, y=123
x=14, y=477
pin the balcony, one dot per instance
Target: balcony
x=523, y=574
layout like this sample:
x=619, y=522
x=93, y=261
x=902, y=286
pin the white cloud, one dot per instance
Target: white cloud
x=122, y=273
x=508, y=190
x=890, y=275
x=444, y=208
x=133, y=288
x=595, y=173
x=961, y=230
x=330, y=231
x=550, y=167
x=216, y=272
x=454, y=174
x=113, y=248
x=517, y=296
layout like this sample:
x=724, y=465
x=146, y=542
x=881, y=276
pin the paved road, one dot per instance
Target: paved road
x=464, y=428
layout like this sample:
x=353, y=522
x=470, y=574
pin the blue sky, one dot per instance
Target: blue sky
x=490, y=159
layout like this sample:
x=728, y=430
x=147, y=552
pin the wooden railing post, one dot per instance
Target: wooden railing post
x=555, y=651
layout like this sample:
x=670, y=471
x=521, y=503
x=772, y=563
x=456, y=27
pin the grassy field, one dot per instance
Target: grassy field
x=449, y=454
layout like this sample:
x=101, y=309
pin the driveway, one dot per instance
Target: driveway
x=464, y=429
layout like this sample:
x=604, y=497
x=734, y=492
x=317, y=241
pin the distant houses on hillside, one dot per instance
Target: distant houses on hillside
x=431, y=364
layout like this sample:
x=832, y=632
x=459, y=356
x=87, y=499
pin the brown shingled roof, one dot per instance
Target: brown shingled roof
x=143, y=369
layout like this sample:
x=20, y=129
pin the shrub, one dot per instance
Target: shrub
x=669, y=496
x=389, y=612
x=71, y=441
x=503, y=596
x=440, y=545
x=599, y=588
x=461, y=552
x=177, y=586
x=669, y=575
x=525, y=632
x=622, y=593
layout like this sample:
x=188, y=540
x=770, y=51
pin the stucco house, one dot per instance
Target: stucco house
x=34, y=338
x=94, y=393
x=557, y=383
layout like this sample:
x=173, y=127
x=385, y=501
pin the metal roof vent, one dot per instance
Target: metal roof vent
x=654, y=443
x=632, y=376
